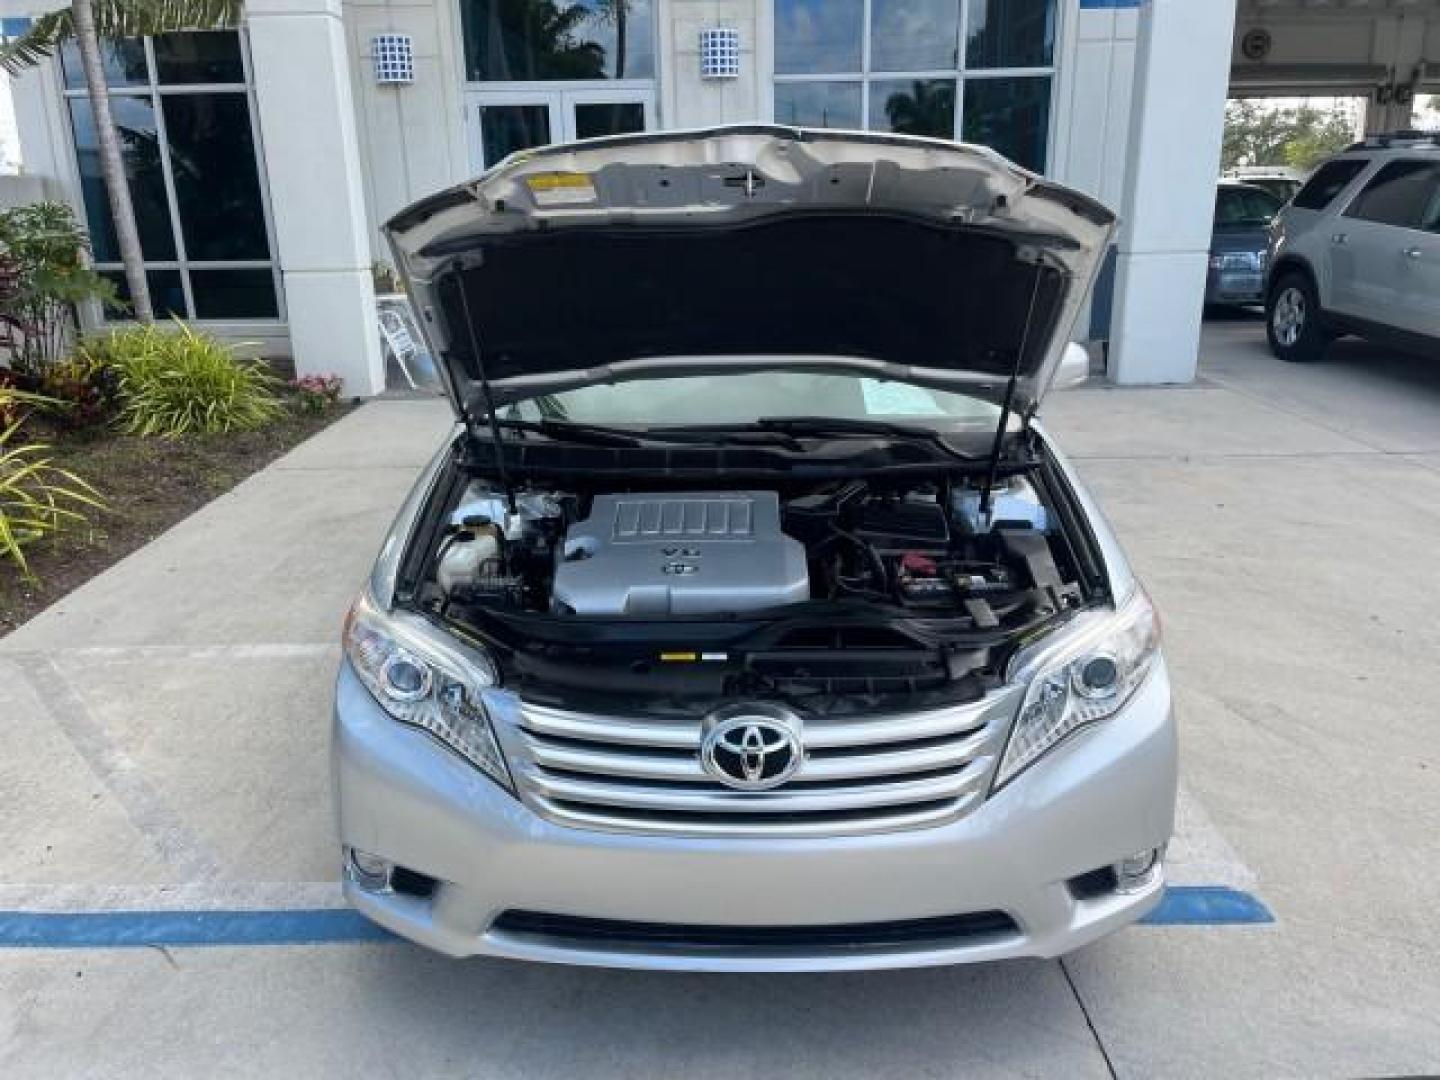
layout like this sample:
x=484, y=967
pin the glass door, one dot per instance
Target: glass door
x=593, y=113
x=500, y=122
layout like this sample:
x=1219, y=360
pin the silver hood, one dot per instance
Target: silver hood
x=701, y=252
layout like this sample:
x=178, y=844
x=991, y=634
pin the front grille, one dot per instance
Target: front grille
x=582, y=933
x=861, y=775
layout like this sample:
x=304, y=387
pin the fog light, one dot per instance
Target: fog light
x=1134, y=873
x=370, y=872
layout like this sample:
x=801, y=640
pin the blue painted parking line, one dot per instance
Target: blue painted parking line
x=1207, y=905
x=1184, y=905
x=133, y=929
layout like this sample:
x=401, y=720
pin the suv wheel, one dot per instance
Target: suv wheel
x=1293, y=320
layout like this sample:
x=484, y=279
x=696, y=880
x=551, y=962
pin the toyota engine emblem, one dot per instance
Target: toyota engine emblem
x=752, y=747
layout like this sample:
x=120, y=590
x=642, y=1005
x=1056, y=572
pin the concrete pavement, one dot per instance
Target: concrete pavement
x=163, y=734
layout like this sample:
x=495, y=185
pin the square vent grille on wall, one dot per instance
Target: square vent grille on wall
x=394, y=56
x=720, y=53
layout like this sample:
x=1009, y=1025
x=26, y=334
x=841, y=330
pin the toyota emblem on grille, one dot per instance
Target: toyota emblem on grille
x=752, y=747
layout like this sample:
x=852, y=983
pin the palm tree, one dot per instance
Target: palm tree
x=929, y=109
x=86, y=22
x=616, y=13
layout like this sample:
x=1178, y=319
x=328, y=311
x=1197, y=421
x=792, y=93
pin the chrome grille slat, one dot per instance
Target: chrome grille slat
x=790, y=799
x=548, y=721
x=861, y=775
x=870, y=732
x=611, y=819
x=641, y=766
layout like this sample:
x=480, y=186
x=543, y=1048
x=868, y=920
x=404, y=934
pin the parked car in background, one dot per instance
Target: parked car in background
x=1282, y=181
x=748, y=620
x=1358, y=251
x=1238, y=243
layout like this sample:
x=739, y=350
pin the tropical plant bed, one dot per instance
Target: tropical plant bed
x=148, y=484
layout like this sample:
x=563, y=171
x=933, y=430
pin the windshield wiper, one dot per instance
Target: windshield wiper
x=842, y=427
x=592, y=434
x=599, y=435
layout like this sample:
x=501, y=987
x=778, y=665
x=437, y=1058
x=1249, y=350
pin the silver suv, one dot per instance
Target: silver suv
x=1358, y=251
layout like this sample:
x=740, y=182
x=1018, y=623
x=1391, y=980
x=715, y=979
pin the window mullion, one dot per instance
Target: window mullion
x=865, y=16
x=962, y=66
x=167, y=173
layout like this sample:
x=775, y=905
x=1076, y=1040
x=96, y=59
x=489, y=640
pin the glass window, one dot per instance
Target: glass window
x=914, y=107
x=1282, y=187
x=894, y=73
x=1011, y=116
x=123, y=61
x=1244, y=207
x=197, y=192
x=1010, y=33
x=818, y=36
x=217, y=185
x=200, y=57
x=729, y=399
x=914, y=35
x=234, y=294
x=1430, y=221
x=507, y=128
x=167, y=296
x=1329, y=180
x=818, y=104
x=1399, y=194
x=140, y=151
x=523, y=40
x=593, y=119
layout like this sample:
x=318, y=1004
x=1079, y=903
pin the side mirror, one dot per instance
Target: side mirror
x=1074, y=367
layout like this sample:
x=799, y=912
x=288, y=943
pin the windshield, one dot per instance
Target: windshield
x=745, y=398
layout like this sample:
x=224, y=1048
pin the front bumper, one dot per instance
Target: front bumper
x=1107, y=792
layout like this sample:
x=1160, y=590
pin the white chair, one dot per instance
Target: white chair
x=395, y=330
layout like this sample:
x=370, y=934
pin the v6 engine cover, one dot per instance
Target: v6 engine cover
x=680, y=554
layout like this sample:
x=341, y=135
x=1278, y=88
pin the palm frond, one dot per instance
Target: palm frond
x=116, y=19
x=46, y=34
x=140, y=18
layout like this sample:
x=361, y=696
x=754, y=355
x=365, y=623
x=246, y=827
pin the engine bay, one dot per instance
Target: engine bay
x=929, y=548
x=840, y=594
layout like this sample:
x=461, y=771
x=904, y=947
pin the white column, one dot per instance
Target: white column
x=1176, y=120
x=312, y=158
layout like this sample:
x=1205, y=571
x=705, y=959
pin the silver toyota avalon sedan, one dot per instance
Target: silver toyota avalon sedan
x=748, y=620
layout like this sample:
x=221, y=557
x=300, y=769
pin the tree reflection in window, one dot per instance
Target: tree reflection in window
x=541, y=40
x=919, y=107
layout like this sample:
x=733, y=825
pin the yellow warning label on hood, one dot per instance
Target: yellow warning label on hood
x=561, y=188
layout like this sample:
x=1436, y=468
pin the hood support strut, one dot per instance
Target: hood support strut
x=501, y=472
x=1008, y=402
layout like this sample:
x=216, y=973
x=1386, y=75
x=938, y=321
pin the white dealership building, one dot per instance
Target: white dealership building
x=263, y=161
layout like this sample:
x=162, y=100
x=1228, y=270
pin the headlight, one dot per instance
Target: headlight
x=423, y=677
x=1081, y=674
x=1238, y=260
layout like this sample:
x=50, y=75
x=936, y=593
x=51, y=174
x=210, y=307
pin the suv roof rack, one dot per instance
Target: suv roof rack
x=1406, y=139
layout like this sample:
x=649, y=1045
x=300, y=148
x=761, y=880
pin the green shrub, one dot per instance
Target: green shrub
x=37, y=499
x=44, y=273
x=176, y=382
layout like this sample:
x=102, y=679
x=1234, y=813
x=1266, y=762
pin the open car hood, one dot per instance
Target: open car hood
x=741, y=248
